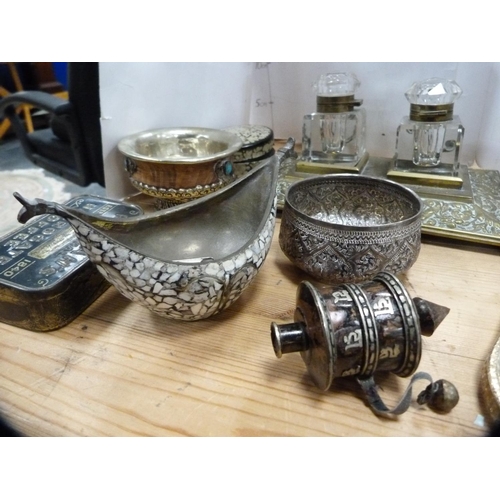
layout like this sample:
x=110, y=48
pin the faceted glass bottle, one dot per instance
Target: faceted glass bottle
x=430, y=137
x=336, y=132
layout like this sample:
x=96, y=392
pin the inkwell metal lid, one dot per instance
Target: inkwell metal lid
x=335, y=93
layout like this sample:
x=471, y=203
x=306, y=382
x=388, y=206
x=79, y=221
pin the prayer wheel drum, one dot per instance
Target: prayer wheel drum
x=358, y=330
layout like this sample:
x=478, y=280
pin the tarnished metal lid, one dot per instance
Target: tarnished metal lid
x=336, y=104
x=258, y=141
x=431, y=113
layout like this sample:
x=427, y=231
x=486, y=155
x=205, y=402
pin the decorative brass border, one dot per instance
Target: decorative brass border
x=477, y=221
x=490, y=384
x=180, y=195
x=419, y=178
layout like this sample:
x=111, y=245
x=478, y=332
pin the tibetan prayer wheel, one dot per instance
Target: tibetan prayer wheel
x=358, y=330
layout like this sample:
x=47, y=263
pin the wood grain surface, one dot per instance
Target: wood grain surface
x=120, y=370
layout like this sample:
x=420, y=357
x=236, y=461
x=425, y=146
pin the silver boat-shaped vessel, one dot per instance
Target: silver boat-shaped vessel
x=188, y=262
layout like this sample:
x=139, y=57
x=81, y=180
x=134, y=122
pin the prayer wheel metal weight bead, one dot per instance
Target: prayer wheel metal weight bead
x=442, y=396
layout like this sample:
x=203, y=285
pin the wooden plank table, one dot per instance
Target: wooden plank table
x=120, y=370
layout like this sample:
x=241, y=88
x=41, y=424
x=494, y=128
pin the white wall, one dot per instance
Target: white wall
x=382, y=89
x=488, y=146
x=141, y=96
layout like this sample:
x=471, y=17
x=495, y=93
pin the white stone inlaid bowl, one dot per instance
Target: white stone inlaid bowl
x=188, y=262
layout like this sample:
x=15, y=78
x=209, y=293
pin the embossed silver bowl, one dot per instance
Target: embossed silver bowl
x=187, y=262
x=347, y=228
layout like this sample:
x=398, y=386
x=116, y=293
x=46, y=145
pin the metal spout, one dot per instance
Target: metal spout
x=32, y=208
x=288, y=338
x=430, y=315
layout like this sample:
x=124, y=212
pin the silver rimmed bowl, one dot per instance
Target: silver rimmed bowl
x=179, y=164
x=347, y=228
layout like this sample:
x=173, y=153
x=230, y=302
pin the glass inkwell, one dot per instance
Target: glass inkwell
x=333, y=138
x=428, y=142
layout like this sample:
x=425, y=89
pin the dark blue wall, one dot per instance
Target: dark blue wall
x=60, y=70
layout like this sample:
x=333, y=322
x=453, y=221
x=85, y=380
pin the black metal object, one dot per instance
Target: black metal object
x=71, y=148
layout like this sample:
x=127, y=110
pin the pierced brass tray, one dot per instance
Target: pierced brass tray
x=477, y=220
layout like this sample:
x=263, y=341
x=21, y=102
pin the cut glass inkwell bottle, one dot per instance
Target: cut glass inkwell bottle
x=333, y=138
x=428, y=141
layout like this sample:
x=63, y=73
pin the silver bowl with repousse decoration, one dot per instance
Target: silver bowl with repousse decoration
x=347, y=228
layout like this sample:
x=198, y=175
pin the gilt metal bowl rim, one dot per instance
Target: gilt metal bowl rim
x=331, y=178
x=127, y=145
